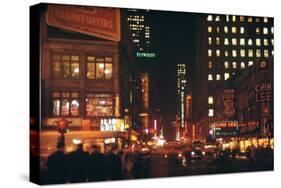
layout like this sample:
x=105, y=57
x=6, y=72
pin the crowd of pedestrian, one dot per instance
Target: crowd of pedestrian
x=93, y=165
x=262, y=154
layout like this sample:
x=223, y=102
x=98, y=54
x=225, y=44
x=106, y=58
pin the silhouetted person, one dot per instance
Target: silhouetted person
x=57, y=166
x=114, y=164
x=77, y=163
x=96, y=165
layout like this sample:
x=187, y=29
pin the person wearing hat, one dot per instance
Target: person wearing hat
x=57, y=166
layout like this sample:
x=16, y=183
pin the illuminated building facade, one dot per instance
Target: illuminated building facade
x=228, y=45
x=181, y=97
x=81, y=82
x=140, y=29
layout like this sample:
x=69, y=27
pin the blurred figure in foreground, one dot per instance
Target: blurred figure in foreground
x=96, y=165
x=114, y=164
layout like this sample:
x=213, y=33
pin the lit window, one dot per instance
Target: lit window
x=272, y=52
x=272, y=42
x=210, y=64
x=250, y=42
x=226, y=41
x=210, y=100
x=258, y=42
x=234, y=41
x=250, y=19
x=218, y=53
x=99, y=104
x=226, y=53
x=218, y=77
x=226, y=76
x=211, y=113
x=233, y=29
x=265, y=19
x=218, y=29
x=210, y=40
x=242, y=42
x=242, y=65
x=265, y=42
x=234, y=53
x=65, y=66
x=258, y=53
x=210, y=77
x=242, y=30
x=210, y=18
x=217, y=41
x=265, y=30
x=250, y=53
x=227, y=18
x=65, y=103
x=258, y=30
x=210, y=53
x=257, y=19
x=217, y=18
x=226, y=65
x=266, y=53
x=234, y=18
x=225, y=29
x=234, y=65
x=242, y=53
x=242, y=19
x=250, y=63
x=210, y=29
x=272, y=30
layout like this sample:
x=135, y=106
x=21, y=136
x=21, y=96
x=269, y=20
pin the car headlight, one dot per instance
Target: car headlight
x=192, y=153
x=180, y=155
x=165, y=156
x=203, y=152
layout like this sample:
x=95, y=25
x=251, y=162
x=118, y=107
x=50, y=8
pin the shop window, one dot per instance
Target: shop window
x=65, y=103
x=65, y=66
x=99, y=105
x=99, y=67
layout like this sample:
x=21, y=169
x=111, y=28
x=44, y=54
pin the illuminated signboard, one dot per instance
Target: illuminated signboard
x=146, y=54
x=96, y=21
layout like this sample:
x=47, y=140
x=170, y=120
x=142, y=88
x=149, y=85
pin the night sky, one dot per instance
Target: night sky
x=173, y=40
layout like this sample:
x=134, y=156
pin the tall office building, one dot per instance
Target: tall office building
x=140, y=28
x=228, y=44
x=181, y=98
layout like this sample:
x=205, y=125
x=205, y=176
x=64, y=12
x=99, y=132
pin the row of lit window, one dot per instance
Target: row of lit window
x=234, y=18
x=234, y=53
x=234, y=30
x=218, y=76
x=234, y=41
x=234, y=64
x=135, y=19
x=136, y=25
